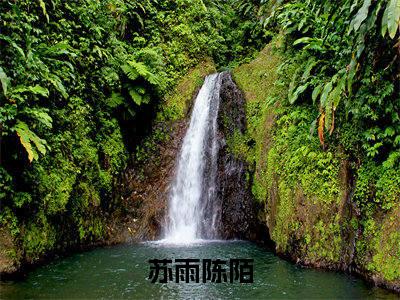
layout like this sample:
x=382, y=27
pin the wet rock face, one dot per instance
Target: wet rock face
x=237, y=207
x=147, y=193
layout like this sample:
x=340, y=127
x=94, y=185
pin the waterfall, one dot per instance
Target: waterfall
x=193, y=213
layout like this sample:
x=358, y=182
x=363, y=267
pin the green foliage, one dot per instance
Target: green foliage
x=316, y=171
x=331, y=45
x=38, y=237
x=377, y=187
x=297, y=169
x=339, y=71
x=297, y=181
x=74, y=78
x=82, y=84
x=86, y=85
x=386, y=259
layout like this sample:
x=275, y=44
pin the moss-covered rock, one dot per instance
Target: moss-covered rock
x=320, y=209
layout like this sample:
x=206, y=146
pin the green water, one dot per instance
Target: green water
x=122, y=272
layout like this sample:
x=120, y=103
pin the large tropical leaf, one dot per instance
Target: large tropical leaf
x=56, y=82
x=30, y=141
x=40, y=115
x=37, y=90
x=361, y=15
x=4, y=81
x=392, y=17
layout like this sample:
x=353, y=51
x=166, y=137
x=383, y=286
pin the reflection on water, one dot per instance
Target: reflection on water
x=122, y=272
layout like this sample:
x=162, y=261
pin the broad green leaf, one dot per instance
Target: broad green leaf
x=325, y=93
x=303, y=40
x=313, y=126
x=361, y=15
x=393, y=17
x=58, y=49
x=56, y=82
x=334, y=96
x=328, y=115
x=299, y=90
x=40, y=115
x=292, y=85
x=30, y=141
x=316, y=92
x=310, y=65
x=37, y=90
x=351, y=74
x=13, y=44
x=384, y=26
x=4, y=81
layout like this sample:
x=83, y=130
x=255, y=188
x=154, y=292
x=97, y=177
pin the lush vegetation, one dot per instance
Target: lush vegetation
x=81, y=84
x=324, y=100
x=87, y=89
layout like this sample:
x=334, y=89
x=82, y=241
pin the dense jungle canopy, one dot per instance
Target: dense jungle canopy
x=85, y=87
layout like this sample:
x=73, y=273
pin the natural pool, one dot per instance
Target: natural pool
x=122, y=272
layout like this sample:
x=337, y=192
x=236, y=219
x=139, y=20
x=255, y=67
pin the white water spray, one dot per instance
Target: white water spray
x=192, y=213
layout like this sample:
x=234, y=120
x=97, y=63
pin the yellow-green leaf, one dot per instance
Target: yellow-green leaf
x=4, y=81
x=27, y=137
x=43, y=6
x=393, y=17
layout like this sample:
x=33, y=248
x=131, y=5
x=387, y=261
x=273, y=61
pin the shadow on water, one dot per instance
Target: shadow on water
x=122, y=272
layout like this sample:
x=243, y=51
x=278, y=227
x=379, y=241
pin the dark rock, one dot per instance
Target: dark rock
x=238, y=214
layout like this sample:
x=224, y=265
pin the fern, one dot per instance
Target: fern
x=131, y=72
x=139, y=95
x=137, y=70
x=115, y=100
x=134, y=70
x=13, y=44
x=136, y=97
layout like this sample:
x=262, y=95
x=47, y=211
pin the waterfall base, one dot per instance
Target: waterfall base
x=210, y=196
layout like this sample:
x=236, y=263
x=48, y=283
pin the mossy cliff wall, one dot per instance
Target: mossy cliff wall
x=320, y=208
x=237, y=207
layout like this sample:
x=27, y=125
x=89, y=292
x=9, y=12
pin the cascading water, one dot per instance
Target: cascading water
x=193, y=213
